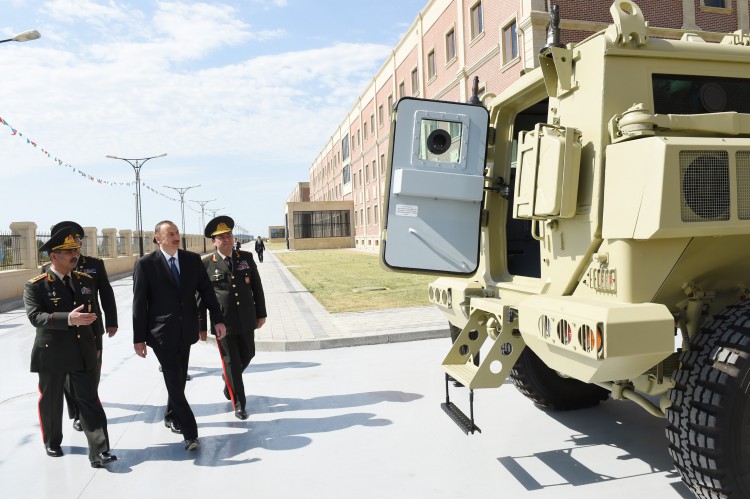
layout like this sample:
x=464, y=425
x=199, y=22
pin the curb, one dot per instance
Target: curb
x=349, y=341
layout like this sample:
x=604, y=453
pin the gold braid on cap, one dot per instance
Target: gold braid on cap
x=221, y=229
x=69, y=243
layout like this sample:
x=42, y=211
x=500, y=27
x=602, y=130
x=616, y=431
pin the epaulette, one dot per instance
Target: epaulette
x=82, y=274
x=38, y=278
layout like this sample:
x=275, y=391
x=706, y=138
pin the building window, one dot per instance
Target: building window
x=510, y=42
x=401, y=89
x=450, y=46
x=380, y=115
x=382, y=164
x=345, y=147
x=431, y=70
x=367, y=173
x=360, y=178
x=364, y=131
x=721, y=4
x=477, y=23
x=372, y=123
x=390, y=105
x=330, y=223
x=346, y=174
x=358, y=137
x=369, y=215
x=414, y=82
x=375, y=214
x=374, y=169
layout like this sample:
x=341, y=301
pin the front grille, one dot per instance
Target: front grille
x=743, y=185
x=704, y=181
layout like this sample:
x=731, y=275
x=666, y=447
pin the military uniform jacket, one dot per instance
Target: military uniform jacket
x=95, y=268
x=239, y=292
x=57, y=346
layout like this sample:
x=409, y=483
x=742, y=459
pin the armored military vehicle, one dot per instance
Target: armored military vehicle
x=590, y=227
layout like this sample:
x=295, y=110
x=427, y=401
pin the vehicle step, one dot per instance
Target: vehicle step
x=458, y=417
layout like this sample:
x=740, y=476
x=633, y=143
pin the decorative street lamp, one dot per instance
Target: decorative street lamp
x=182, y=191
x=203, y=221
x=137, y=164
x=214, y=211
x=26, y=36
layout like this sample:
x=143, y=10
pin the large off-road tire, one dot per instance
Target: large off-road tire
x=709, y=420
x=548, y=389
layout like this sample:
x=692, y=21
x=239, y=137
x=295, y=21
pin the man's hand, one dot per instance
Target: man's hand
x=78, y=318
x=203, y=335
x=261, y=321
x=221, y=331
x=140, y=349
x=111, y=331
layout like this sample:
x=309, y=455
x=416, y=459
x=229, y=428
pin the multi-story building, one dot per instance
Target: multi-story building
x=448, y=44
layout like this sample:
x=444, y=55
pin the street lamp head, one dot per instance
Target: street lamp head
x=26, y=36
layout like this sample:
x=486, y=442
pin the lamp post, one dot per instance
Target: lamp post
x=182, y=191
x=137, y=164
x=214, y=211
x=26, y=36
x=203, y=221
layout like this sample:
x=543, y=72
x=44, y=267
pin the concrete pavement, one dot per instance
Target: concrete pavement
x=359, y=422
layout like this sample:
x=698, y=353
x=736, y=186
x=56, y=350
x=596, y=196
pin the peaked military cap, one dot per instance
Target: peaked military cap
x=77, y=229
x=219, y=225
x=63, y=239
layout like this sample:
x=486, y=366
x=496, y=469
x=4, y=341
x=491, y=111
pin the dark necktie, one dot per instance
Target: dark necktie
x=175, y=272
x=229, y=262
x=66, y=281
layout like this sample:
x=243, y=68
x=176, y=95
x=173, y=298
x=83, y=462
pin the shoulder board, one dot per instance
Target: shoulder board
x=82, y=274
x=206, y=258
x=38, y=278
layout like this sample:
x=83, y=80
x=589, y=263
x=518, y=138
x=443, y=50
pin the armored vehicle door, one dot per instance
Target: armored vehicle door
x=435, y=187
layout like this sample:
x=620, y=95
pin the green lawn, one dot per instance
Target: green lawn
x=337, y=277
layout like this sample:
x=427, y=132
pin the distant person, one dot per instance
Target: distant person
x=60, y=304
x=260, y=248
x=236, y=282
x=238, y=245
x=95, y=268
x=165, y=317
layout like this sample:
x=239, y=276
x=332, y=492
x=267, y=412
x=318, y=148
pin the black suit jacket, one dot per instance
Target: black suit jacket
x=165, y=315
x=57, y=346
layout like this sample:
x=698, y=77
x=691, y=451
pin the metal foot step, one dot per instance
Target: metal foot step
x=458, y=417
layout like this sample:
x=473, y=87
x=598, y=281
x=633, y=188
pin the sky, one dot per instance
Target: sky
x=241, y=94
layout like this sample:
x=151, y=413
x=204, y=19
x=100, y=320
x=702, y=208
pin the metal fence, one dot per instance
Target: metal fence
x=10, y=251
x=121, y=246
x=102, y=246
x=42, y=256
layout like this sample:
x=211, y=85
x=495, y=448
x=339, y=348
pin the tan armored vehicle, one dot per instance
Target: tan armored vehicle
x=591, y=227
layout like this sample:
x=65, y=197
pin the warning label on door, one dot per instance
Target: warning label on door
x=407, y=210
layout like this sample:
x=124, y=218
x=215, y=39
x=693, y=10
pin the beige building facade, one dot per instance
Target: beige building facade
x=448, y=44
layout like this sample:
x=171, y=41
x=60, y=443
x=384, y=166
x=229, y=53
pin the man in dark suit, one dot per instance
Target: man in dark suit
x=59, y=303
x=165, y=317
x=95, y=268
x=236, y=282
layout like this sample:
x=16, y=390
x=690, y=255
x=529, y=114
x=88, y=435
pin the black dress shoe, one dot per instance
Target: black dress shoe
x=54, y=451
x=102, y=459
x=192, y=444
x=77, y=425
x=172, y=425
x=226, y=393
x=240, y=414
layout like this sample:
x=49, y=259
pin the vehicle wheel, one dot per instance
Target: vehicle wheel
x=548, y=389
x=709, y=420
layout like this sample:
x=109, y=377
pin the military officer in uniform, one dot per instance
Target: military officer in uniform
x=239, y=291
x=59, y=303
x=95, y=268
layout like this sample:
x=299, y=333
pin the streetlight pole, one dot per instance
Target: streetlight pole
x=182, y=191
x=26, y=36
x=203, y=221
x=137, y=164
x=214, y=211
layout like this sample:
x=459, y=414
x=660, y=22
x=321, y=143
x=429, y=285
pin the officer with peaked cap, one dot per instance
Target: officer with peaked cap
x=95, y=268
x=59, y=303
x=239, y=291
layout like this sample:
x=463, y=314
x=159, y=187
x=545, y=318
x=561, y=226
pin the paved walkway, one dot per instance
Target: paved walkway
x=297, y=321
